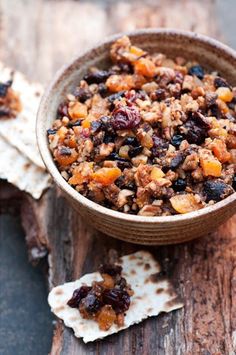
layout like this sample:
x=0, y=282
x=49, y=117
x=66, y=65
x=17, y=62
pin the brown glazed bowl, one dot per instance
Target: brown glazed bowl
x=139, y=229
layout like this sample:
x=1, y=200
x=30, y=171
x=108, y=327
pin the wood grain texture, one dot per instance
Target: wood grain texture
x=203, y=271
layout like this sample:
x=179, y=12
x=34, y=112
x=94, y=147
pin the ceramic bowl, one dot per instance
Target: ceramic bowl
x=138, y=229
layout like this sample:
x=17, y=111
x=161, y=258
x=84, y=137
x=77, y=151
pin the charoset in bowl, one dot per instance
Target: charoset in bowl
x=154, y=230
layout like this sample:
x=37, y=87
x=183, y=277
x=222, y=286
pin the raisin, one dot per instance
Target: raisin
x=77, y=296
x=82, y=94
x=125, y=118
x=118, y=299
x=214, y=190
x=176, y=140
x=4, y=87
x=63, y=110
x=74, y=124
x=90, y=304
x=196, y=70
x=96, y=126
x=160, y=94
x=51, y=131
x=220, y=82
x=131, y=141
x=102, y=89
x=134, y=151
x=179, y=185
x=97, y=77
x=110, y=269
x=176, y=161
x=114, y=97
x=197, y=128
x=64, y=151
x=159, y=146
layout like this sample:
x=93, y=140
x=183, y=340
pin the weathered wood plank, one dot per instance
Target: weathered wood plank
x=204, y=271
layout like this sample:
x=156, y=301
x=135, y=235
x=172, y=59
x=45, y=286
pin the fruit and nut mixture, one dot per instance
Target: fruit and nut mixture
x=106, y=301
x=10, y=104
x=150, y=135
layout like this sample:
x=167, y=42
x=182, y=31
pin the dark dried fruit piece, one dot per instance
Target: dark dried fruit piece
x=159, y=95
x=97, y=77
x=117, y=298
x=220, y=82
x=51, y=131
x=74, y=124
x=96, y=126
x=234, y=182
x=160, y=146
x=77, y=296
x=102, y=89
x=110, y=269
x=179, y=185
x=197, y=70
x=125, y=118
x=131, y=141
x=82, y=94
x=134, y=151
x=197, y=128
x=4, y=87
x=64, y=151
x=63, y=110
x=89, y=305
x=216, y=190
x=177, y=160
x=176, y=140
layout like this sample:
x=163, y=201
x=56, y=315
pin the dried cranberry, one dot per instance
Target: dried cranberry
x=176, y=140
x=176, y=161
x=77, y=296
x=110, y=269
x=102, y=89
x=125, y=118
x=215, y=190
x=117, y=298
x=51, y=131
x=97, y=77
x=82, y=94
x=134, y=151
x=179, y=185
x=4, y=87
x=131, y=141
x=91, y=304
x=197, y=70
x=220, y=82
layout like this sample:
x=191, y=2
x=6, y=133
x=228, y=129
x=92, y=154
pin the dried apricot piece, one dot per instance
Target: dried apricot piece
x=86, y=123
x=210, y=165
x=145, y=67
x=106, y=176
x=77, y=110
x=106, y=317
x=185, y=203
x=81, y=174
x=65, y=156
x=225, y=94
x=116, y=83
x=220, y=150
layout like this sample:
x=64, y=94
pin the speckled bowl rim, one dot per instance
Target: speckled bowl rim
x=76, y=196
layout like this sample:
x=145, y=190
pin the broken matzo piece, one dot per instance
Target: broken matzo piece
x=21, y=172
x=152, y=294
x=19, y=131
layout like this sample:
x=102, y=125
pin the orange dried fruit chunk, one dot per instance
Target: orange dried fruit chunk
x=77, y=110
x=106, y=176
x=106, y=317
x=116, y=83
x=138, y=52
x=145, y=67
x=220, y=150
x=86, y=123
x=108, y=281
x=147, y=141
x=65, y=156
x=62, y=131
x=185, y=203
x=72, y=142
x=225, y=94
x=81, y=173
x=210, y=166
x=156, y=173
